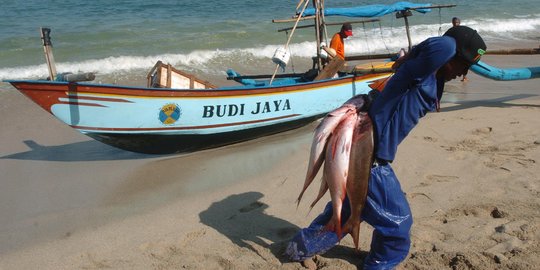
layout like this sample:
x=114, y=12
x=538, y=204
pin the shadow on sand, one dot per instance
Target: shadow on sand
x=80, y=151
x=501, y=102
x=241, y=217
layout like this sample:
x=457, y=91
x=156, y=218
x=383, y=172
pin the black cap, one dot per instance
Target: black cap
x=469, y=45
x=346, y=26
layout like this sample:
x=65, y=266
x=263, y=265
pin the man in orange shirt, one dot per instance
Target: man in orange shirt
x=337, y=40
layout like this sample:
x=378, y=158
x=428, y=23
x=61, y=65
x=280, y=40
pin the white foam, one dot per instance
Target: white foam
x=382, y=40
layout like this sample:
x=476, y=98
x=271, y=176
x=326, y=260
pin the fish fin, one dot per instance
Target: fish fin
x=353, y=228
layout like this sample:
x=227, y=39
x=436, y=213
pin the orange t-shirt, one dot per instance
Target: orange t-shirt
x=337, y=44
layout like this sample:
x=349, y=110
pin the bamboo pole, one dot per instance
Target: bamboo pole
x=293, y=19
x=326, y=24
x=491, y=52
x=299, y=4
x=515, y=51
x=290, y=37
x=434, y=6
x=317, y=32
x=370, y=56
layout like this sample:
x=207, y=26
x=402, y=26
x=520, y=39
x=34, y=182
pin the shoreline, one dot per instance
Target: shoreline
x=470, y=174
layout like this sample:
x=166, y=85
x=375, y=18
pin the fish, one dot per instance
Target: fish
x=343, y=142
x=336, y=168
x=318, y=145
x=322, y=190
x=361, y=159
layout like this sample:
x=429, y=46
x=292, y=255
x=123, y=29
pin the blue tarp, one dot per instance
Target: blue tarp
x=369, y=10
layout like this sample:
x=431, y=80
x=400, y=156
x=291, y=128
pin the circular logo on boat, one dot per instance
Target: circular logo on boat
x=169, y=113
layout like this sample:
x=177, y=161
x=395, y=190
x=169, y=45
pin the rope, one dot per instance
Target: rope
x=366, y=39
x=290, y=37
x=290, y=52
x=440, y=21
x=382, y=38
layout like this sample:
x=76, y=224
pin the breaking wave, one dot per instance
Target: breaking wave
x=382, y=40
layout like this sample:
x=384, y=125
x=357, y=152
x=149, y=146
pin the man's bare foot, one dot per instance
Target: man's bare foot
x=309, y=264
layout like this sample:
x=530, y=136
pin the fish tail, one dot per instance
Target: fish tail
x=322, y=190
x=335, y=226
x=355, y=233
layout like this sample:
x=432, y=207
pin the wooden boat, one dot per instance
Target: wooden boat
x=177, y=112
x=164, y=120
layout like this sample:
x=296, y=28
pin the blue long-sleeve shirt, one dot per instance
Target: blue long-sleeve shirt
x=409, y=94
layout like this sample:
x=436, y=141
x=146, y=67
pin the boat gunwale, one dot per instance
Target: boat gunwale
x=137, y=91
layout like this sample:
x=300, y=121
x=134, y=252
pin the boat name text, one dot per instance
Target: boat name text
x=240, y=109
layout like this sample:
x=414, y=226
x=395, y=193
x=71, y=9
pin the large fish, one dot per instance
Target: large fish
x=359, y=171
x=318, y=145
x=344, y=143
x=336, y=168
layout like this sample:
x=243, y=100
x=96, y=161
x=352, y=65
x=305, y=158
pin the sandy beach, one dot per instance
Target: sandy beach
x=470, y=173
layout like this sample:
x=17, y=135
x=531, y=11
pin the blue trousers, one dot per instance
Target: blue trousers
x=386, y=210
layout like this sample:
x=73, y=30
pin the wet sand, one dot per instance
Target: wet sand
x=470, y=173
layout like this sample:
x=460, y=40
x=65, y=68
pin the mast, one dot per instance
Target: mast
x=47, y=47
x=316, y=5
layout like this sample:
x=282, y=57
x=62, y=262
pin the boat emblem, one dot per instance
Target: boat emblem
x=169, y=113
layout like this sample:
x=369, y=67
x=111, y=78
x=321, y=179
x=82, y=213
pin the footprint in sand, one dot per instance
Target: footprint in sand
x=193, y=236
x=476, y=211
x=430, y=139
x=433, y=178
x=482, y=131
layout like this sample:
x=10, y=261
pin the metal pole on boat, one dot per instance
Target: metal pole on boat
x=290, y=36
x=47, y=47
x=404, y=14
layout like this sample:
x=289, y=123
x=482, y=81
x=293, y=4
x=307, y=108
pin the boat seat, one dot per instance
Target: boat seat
x=373, y=67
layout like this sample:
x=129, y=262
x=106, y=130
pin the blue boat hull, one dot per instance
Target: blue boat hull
x=165, y=120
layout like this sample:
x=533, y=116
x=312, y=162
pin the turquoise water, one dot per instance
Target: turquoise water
x=115, y=38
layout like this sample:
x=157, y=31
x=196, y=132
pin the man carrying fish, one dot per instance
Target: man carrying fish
x=414, y=89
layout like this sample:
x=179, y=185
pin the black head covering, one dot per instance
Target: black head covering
x=469, y=45
x=346, y=27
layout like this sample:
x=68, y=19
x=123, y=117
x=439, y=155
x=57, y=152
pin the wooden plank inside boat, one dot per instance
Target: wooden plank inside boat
x=331, y=69
x=373, y=67
x=165, y=76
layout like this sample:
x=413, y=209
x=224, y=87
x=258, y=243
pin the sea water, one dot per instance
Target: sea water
x=121, y=40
